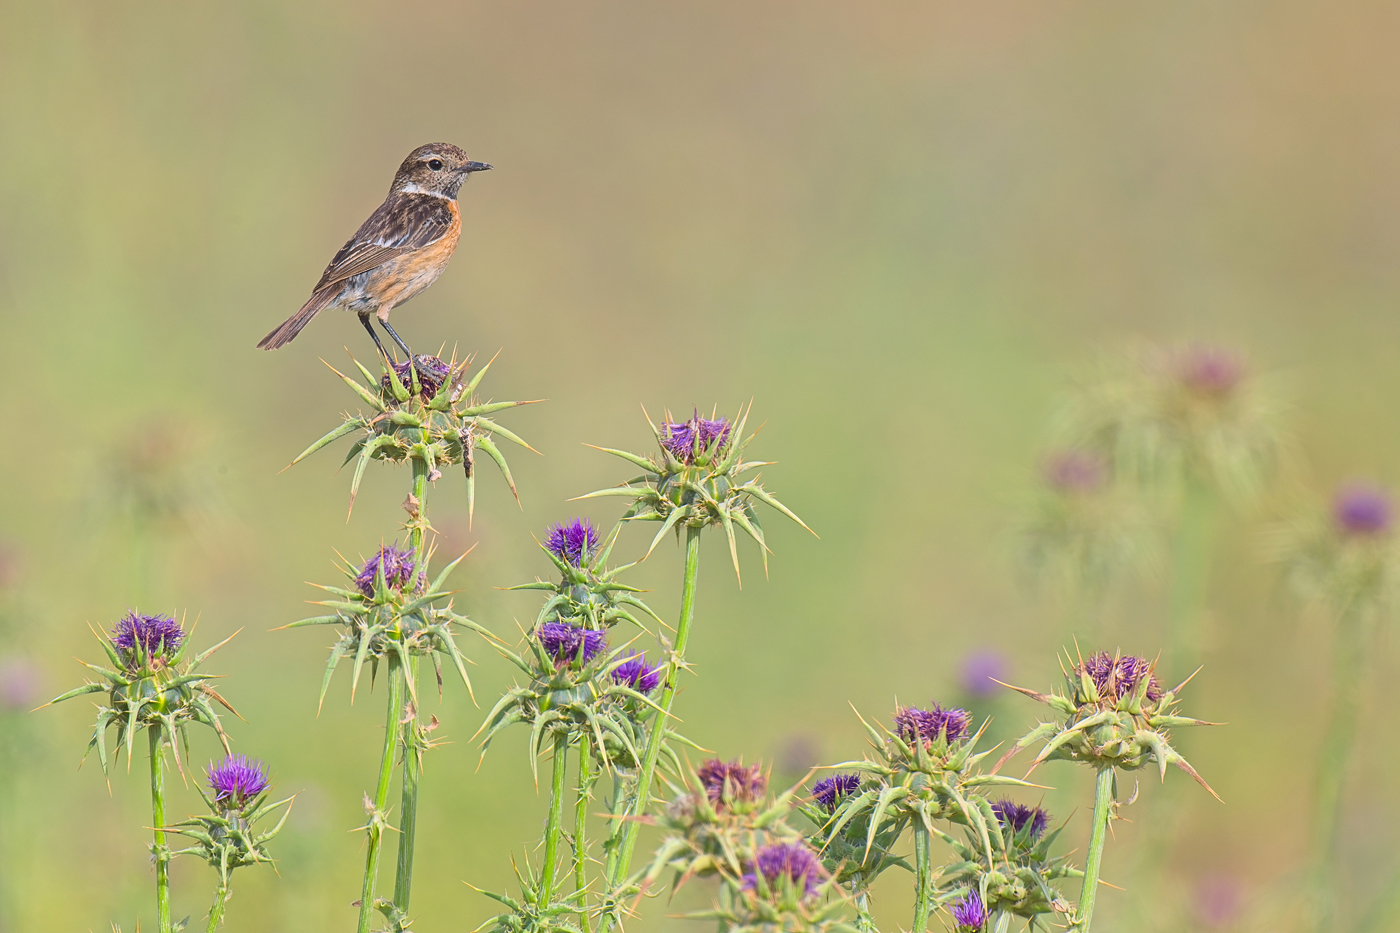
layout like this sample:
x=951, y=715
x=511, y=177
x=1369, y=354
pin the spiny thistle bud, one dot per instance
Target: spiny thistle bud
x=980, y=672
x=731, y=785
x=635, y=673
x=1113, y=714
x=969, y=914
x=431, y=373
x=569, y=643
x=1020, y=818
x=396, y=564
x=696, y=484
x=1208, y=370
x=574, y=542
x=145, y=641
x=829, y=792
x=236, y=781
x=931, y=725
x=1362, y=510
x=792, y=863
x=1346, y=557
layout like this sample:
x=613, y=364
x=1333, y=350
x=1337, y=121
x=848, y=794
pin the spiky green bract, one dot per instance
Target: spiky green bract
x=401, y=422
x=157, y=691
x=1125, y=729
x=704, y=490
x=1327, y=564
x=579, y=698
x=532, y=913
x=906, y=784
x=1017, y=877
x=589, y=596
x=391, y=621
x=228, y=838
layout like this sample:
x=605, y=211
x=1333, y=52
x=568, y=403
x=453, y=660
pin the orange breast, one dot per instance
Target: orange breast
x=409, y=274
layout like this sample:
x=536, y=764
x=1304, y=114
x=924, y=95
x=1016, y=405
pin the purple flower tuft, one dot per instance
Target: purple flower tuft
x=569, y=642
x=1362, y=510
x=431, y=374
x=791, y=860
x=829, y=791
x=1121, y=677
x=398, y=569
x=236, y=780
x=573, y=541
x=1209, y=370
x=1016, y=816
x=635, y=673
x=969, y=914
x=687, y=439
x=724, y=783
x=147, y=636
x=910, y=723
x=20, y=682
x=980, y=670
x=1074, y=471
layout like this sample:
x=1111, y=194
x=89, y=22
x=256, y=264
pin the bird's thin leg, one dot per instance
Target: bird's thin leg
x=364, y=319
x=397, y=339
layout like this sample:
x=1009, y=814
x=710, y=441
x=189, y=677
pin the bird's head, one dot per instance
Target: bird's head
x=437, y=168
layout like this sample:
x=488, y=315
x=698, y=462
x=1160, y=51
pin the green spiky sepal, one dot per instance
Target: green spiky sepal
x=590, y=596
x=406, y=422
x=781, y=907
x=227, y=838
x=582, y=700
x=1018, y=878
x=152, y=692
x=704, y=492
x=393, y=623
x=532, y=914
x=1125, y=729
x=909, y=781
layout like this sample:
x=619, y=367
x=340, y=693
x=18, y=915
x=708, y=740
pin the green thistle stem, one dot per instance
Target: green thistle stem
x=923, y=880
x=1348, y=665
x=1103, y=807
x=552, y=828
x=413, y=752
x=585, y=784
x=162, y=854
x=377, y=819
x=668, y=695
x=624, y=795
x=864, y=922
x=216, y=912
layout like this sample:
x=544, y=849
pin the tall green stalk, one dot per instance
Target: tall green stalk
x=585, y=786
x=552, y=829
x=1348, y=665
x=377, y=819
x=159, y=850
x=1192, y=554
x=413, y=751
x=1103, y=811
x=216, y=912
x=668, y=695
x=923, y=880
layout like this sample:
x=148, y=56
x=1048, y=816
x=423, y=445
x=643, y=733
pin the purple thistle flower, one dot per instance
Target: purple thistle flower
x=980, y=670
x=829, y=791
x=1074, y=472
x=566, y=643
x=573, y=541
x=1209, y=370
x=635, y=673
x=398, y=569
x=1121, y=677
x=236, y=780
x=1362, y=510
x=686, y=439
x=969, y=914
x=431, y=374
x=912, y=723
x=1016, y=816
x=20, y=683
x=724, y=783
x=147, y=636
x=792, y=860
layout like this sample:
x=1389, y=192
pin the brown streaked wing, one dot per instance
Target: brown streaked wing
x=403, y=223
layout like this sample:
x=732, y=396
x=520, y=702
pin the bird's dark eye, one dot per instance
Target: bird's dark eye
x=435, y=164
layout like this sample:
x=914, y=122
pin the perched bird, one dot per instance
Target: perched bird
x=398, y=252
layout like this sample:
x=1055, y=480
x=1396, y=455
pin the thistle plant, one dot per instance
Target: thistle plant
x=152, y=686
x=1344, y=561
x=1113, y=716
x=227, y=837
x=425, y=413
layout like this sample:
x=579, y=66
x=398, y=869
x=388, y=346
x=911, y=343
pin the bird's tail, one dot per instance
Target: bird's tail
x=288, y=329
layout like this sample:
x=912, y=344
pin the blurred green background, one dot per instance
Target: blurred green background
x=895, y=226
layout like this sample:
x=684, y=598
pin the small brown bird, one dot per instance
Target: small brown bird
x=398, y=252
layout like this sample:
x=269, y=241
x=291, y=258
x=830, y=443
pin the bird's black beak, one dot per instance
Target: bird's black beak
x=474, y=167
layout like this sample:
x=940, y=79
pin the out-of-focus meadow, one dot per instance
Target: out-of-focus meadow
x=896, y=227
